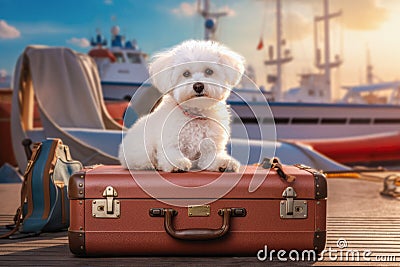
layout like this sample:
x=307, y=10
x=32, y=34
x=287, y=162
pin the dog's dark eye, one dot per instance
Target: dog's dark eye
x=186, y=74
x=209, y=72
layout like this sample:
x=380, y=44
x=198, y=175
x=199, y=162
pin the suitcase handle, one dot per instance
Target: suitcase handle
x=197, y=234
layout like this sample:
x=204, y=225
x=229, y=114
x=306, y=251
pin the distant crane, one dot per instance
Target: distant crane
x=327, y=65
x=279, y=60
x=210, y=18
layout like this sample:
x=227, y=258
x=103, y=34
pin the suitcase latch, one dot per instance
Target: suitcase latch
x=291, y=208
x=106, y=208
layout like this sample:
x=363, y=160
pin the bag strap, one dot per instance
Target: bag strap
x=24, y=191
x=42, y=187
x=27, y=147
x=275, y=164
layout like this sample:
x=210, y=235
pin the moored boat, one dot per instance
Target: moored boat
x=122, y=66
x=304, y=112
x=374, y=149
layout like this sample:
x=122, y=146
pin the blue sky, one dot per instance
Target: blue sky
x=158, y=24
x=55, y=23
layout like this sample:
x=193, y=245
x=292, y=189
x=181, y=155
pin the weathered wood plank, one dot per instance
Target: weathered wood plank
x=9, y=195
x=373, y=226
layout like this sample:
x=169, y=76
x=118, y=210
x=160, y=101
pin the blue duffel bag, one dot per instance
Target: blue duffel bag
x=44, y=193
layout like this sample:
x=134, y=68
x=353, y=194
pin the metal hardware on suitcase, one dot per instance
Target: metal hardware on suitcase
x=115, y=211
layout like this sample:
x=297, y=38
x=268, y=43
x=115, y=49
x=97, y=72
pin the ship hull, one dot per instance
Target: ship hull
x=310, y=121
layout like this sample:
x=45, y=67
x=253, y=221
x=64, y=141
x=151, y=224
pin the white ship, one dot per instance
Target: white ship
x=300, y=113
x=307, y=112
x=5, y=80
x=122, y=66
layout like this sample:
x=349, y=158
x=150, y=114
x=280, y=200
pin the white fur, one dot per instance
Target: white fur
x=170, y=140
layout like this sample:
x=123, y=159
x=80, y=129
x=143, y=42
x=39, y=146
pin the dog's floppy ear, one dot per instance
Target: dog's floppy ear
x=236, y=66
x=160, y=71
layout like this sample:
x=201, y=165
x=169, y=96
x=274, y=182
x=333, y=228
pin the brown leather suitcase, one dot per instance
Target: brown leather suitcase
x=117, y=212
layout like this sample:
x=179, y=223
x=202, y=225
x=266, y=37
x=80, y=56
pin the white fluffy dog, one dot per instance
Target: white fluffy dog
x=190, y=128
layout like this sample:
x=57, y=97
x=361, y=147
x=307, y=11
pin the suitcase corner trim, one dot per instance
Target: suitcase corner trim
x=76, y=185
x=319, y=241
x=321, y=185
x=76, y=240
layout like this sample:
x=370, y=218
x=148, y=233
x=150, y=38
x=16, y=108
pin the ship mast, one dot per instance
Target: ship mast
x=369, y=68
x=279, y=58
x=327, y=65
x=210, y=18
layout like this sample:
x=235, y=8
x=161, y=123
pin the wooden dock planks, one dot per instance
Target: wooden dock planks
x=356, y=213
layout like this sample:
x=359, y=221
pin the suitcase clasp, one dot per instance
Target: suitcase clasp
x=291, y=208
x=106, y=208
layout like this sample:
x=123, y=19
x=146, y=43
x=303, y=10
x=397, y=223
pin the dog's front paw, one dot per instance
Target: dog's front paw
x=178, y=165
x=224, y=164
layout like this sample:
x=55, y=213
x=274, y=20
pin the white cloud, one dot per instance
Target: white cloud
x=81, y=42
x=3, y=73
x=190, y=9
x=296, y=26
x=7, y=31
x=186, y=9
x=44, y=28
x=357, y=14
x=362, y=14
x=108, y=2
x=229, y=11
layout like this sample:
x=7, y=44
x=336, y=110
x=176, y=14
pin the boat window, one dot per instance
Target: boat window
x=282, y=120
x=386, y=121
x=305, y=121
x=119, y=57
x=333, y=120
x=360, y=121
x=134, y=58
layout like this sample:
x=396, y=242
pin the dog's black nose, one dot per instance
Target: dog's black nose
x=198, y=87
